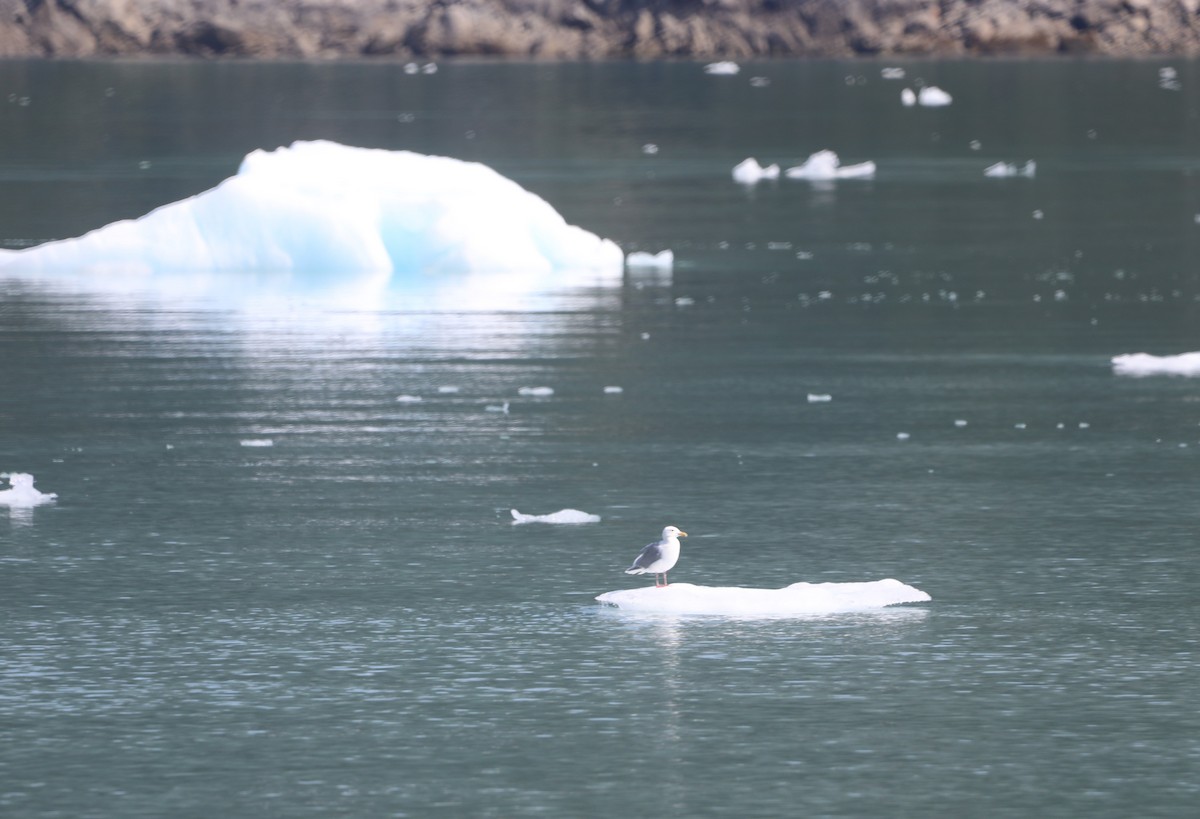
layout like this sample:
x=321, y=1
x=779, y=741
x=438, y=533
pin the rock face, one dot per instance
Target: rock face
x=595, y=29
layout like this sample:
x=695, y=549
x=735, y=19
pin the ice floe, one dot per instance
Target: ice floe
x=536, y=392
x=641, y=260
x=748, y=172
x=798, y=599
x=825, y=165
x=21, y=492
x=257, y=442
x=819, y=398
x=1139, y=364
x=933, y=97
x=725, y=67
x=908, y=98
x=1003, y=170
x=891, y=73
x=566, y=516
x=321, y=208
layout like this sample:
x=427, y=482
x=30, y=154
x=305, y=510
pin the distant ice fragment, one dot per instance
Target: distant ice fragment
x=892, y=73
x=567, y=516
x=501, y=408
x=933, y=97
x=536, y=392
x=1142, y=364
x=725, y=67
x=21, y=493
x=902, y=436
x=409, y=399
x=960, y=422
x=613, y=390
x=748, y=172
x=798, y=599
x=448, y=389
x=641, y=260
x=1003, y=170
x=760, y=82
x=259, y=442
x=825, y=165
x=908, y=98
x=650, y=149
x=819, y=398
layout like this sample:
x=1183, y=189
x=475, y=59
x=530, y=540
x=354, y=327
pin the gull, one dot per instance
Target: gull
x=659, y=557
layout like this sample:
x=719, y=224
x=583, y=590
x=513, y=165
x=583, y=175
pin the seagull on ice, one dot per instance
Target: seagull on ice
x=659, y=557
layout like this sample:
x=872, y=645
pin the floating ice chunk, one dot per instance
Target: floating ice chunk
x=908, y=98
x=902, y=436
x=1003, y=170
x=825, y=165
x=748, y=172
x=409, y=399
x=725, y=67
x=613, y=390
x=568, y=516
x=257, y=442
x=760, y=82
x=892, y=73
x=663, y=260
x=448, y=389
x=960, y=422
x=1140, y=364
x=684, y=301
x=536, y=392
x=501, y=408
x=21, y=492
x=320, y=208
x=649, y=149
x=933, y=97
x=819, y=398
x=429, y=68
x=798, y=599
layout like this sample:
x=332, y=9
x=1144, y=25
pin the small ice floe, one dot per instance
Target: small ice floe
x=613, y=390
x=429, y=68
x=908, y=98
x=819, y=398
x=933, y=97
x=892, y=73
x=684, y=301
x=760, y=82
x=1038, y=214
x=257, y=442
x=536, y=392
x=409, y=399
x=502, y=408
x=650, y=149
x=825, y=165
x=1168, y=79
x=960, y=423
x=448, y=389
x=21, y=492
x=567, y=516
x=796, y=600
x=748, y=172
x=902, y=436
x=725, y=67
x=1005, y=170
x=1140, y=364
x=1020, y=425
x=641, y=260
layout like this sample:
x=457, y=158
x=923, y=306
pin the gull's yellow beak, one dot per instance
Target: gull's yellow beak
x=683, y=534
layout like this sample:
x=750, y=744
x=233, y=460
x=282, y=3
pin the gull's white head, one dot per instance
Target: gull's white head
x=673, y=532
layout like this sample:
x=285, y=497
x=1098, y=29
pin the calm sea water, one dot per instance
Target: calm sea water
x=346, y=622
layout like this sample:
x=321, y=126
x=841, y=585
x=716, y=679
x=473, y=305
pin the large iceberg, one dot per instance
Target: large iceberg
x=798, y=599
x=322, y=209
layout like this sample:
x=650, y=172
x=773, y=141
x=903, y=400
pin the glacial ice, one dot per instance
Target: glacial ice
x=1140, y=364
x=825, y=165
x=933, y=97
x=1003, y=170
x=641, y=260
x=21, y=492
x=796, y=599
x=567, y=516
x=324, y=209
x=726, y=67
x=748, y=172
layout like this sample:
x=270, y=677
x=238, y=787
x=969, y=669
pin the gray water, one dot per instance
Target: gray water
x=347, y=622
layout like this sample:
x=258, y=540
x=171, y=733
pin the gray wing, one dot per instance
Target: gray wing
x=650, y=553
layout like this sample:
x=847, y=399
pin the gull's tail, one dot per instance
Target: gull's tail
x=635, y=570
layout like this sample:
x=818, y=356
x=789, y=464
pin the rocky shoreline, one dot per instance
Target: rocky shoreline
x=596, y=29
